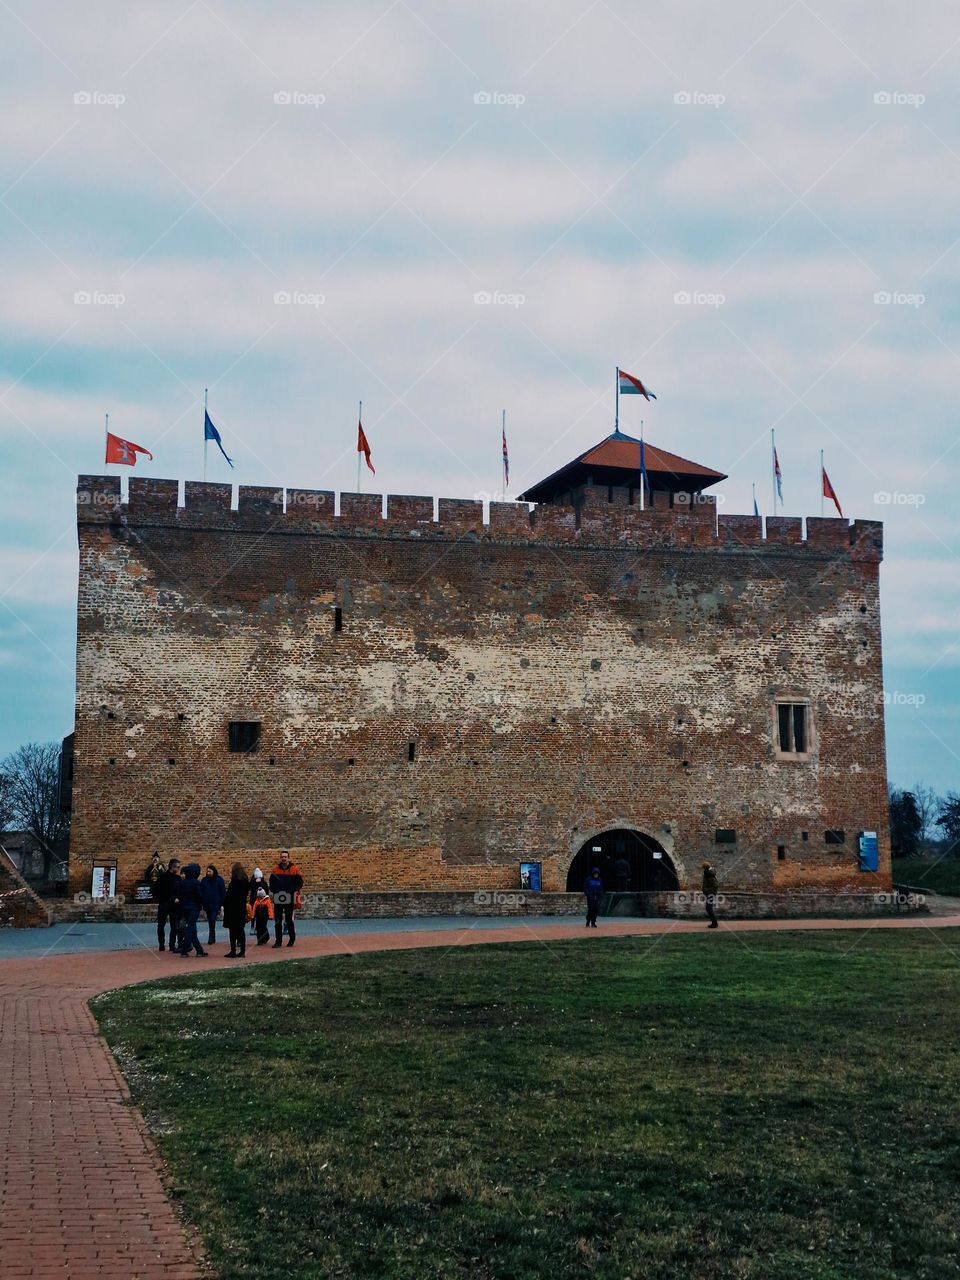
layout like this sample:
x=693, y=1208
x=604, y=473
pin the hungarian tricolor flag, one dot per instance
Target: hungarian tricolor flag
x=830, y=492
x=631, y=386
x=124, y=452
x=363, y=447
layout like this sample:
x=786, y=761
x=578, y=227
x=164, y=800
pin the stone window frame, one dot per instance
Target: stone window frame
x=792, y=699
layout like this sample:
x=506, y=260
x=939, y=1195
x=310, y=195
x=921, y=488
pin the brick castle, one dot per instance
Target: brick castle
x=409, y=696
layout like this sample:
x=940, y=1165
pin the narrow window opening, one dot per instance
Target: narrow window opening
x=171, y=762
x=781, y=853
x=725, y=835
x=244, y=736
x=805, y=836
x=793, y=728
x=338, y=619
x=411, y=751
x=352, y=760
x=835, y=836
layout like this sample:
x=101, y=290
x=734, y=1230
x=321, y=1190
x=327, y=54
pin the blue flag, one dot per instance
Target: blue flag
x=643, y=471
x=210, y=432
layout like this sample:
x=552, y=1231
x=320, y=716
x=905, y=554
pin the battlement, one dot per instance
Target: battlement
x=598, y=518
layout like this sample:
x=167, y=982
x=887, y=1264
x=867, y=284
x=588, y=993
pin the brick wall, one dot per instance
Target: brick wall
x=558, y=672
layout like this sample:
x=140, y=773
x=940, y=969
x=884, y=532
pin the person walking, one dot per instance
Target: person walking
x=235, y=902
x=593, y=891
x=256, y=882
x=710, y=890
x=212, y=891
x=285, y=885
x=168, y=912
x=262, y=915
x=191, y=904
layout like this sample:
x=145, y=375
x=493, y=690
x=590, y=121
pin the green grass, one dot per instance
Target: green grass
x=936, y=876
x=768, y=1107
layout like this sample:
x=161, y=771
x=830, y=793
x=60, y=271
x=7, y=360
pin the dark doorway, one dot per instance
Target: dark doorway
x=627, y=861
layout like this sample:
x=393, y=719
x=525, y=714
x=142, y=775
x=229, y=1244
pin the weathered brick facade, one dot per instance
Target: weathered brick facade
x=496, y=691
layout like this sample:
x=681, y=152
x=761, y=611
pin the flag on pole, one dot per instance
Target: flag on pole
x=777, y=473
x=829, y=491
x=124, y=452
x=631, y=386
x=506, y=461
x=210, y=432
x=363, y=447
x=756, y=509
x=645, y=479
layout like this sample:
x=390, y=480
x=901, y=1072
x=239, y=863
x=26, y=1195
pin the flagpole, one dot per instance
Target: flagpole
x=642, y=464
x=773, y=467
x=205, y=441
x=616, y=416
x=106, y=436
x=503, y=461
x=755, y=508
x=821, y=482
x=360, y=421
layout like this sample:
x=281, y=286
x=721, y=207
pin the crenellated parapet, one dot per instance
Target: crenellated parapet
x=597, y=518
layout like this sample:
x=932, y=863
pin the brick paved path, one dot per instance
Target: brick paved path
x=81, y=1189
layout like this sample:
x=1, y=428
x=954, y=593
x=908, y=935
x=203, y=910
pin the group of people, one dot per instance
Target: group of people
x=593, y=892
x=182, y=893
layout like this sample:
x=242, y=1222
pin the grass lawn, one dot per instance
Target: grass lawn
x=937, y=876
x=768, y=1107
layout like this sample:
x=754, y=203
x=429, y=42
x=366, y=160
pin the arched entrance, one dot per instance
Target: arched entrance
x=628, y=862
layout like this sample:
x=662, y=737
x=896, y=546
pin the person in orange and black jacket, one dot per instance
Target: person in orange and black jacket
x=285, y=885
x=262, y=915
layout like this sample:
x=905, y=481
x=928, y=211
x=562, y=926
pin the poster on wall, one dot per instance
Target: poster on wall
x=104, y=882
x=869, y=851
x=530, y=876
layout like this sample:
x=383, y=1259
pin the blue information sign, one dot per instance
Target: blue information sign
x=530, y=876
x=869, y=851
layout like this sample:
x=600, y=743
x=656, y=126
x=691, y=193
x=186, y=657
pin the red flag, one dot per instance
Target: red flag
x=363, y=447
x=124, y=451
x=830, y=492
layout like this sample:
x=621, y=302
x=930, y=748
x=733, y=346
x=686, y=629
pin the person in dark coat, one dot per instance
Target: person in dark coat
x=212, y=891
x=593, y=892
x=262, y=915
x=621, y=869
x=191, y=904
x=168, y=912
x=235, y=903
x=710, y=890
x=285, y=885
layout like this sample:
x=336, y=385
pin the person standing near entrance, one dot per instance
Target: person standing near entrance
x=168, y=912
x=285, y=885
x=235, y=904
x=593, y=892
x=191, y=904
x=710, y=889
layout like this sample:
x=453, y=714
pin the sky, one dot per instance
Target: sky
x=445, y=209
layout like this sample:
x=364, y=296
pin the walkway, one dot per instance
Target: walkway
x=81, y=1186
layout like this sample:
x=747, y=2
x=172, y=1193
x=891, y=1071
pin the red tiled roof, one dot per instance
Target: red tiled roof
x=625, y=452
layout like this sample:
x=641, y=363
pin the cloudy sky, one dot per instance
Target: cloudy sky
x=168, y=170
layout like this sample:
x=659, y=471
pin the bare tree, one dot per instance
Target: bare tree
x=928, y=807
x=6, y=803
x=33, y=777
